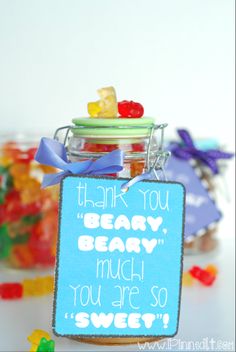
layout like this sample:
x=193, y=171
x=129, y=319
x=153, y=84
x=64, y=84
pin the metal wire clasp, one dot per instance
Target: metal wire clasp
x=58, y=130
x=157, y=156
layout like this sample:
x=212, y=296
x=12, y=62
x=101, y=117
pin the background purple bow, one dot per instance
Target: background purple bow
x=187, y=150
x=53, y=153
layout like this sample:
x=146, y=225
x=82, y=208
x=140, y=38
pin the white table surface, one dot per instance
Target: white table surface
x=206, y=312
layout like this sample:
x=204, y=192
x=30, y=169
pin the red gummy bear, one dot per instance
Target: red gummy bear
x=26, y=156
x=202, y=275
x=11, y=290
x=130, y=109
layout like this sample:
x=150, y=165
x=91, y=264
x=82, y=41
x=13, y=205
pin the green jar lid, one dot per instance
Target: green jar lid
x=112, y=127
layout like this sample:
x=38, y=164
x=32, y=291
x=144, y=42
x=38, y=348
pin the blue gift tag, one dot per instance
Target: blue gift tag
x=119, y=259
x=201, y=211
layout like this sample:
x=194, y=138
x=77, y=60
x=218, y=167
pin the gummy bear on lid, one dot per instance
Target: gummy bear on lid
x=106, y=107
x=130, y=109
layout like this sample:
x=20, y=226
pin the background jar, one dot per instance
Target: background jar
x=28, y=214
x=216, y=185
x=91, y=138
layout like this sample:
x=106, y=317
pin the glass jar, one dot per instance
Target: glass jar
x=90, y=138
x=207, y=242
x=28, y=214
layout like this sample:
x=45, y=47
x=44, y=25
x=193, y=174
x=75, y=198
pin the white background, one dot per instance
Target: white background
x=174, y=56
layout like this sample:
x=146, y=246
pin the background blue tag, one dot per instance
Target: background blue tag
x=119, y=258
x=201, y=211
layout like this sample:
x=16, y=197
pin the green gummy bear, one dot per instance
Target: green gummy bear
x=3, y=170
x=7, y=180
x=2, y=195
x=31, y=219
x=46, y=345
x=5, y=242
x=20, y=239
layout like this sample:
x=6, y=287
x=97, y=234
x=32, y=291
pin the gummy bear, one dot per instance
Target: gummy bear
x=31, y=191
x=5, y=161
x=36, y=337
x=2, y=214
x=21, y=256
x=39, y=286
x=14, y=209
x=21, y=239
x=20, y=170
x=136, y=168
x=187, y=279
x=28, y=287
x=2, y=195
x=12, y=290
x=6, y=180
x=5, y=242
x=27, y=156
x=202, y=275
x=46, y=345
x=10, y=150
x=47, y=283
x=138, y=147
x=46, y=168
x=106, y=107
x=212, y=269
x=32, y=212
x=94, y=108
x=130, y=109
x=42, y=239
x=99, y=148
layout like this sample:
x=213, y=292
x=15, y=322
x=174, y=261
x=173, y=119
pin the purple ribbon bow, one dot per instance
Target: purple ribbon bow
x=53, y=153
x=187, y=151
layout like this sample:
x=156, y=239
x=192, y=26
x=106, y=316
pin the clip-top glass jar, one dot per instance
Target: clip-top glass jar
x=207, y=242
x=90, y=138
x=28, y=213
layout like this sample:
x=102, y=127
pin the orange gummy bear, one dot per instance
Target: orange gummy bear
x=21, y=256
x=212, y=269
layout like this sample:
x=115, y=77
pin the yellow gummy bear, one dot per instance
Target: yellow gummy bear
x=5, y=161
x=49, y=284
x=35, y=338
x=187, y=279
x=31, y=192
x=33, y=348
x=94, y=109
x=106, y=107
x=39, y=286
x=28, y=287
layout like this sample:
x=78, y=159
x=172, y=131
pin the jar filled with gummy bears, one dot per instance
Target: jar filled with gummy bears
x=140, y=140
x=92, y=138
x=28, y=213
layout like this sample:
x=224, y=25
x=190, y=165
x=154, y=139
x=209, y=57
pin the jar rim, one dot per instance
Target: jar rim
x=118, y=122
x=112, y=127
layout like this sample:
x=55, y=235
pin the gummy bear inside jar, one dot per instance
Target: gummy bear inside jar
x=28, y=214
x=132, y=166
